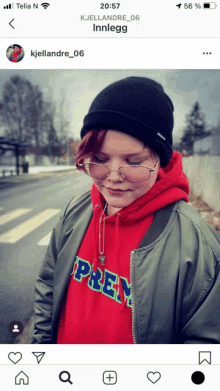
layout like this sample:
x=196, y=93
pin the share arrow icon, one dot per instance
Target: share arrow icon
x=39, y=356
x=179, y=5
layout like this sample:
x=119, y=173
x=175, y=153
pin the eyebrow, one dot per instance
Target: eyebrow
x=131, y=154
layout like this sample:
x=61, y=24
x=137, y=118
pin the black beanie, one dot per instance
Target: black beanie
x=139, y=107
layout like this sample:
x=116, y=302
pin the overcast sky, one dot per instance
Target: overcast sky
x=79, y=87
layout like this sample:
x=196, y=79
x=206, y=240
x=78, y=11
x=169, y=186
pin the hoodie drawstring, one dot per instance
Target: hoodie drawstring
x=96, y=257
x=119, y=289
x=98, y=236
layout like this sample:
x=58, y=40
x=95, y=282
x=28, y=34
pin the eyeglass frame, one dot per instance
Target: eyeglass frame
x=126, y=165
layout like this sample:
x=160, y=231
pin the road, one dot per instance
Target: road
x=28, y=213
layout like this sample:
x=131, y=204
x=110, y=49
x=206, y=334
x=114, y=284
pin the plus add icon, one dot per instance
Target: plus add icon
x=109, y=377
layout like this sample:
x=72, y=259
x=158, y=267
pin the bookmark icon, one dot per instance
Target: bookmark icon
x=39, y=356
x=204, y=357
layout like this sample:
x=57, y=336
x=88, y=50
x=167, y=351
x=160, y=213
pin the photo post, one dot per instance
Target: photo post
x=109, y=194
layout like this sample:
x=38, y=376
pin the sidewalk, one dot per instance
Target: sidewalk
x=35, y=173
x=206, y=212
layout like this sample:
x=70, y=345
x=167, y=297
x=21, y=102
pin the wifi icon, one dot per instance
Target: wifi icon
x=45, y=5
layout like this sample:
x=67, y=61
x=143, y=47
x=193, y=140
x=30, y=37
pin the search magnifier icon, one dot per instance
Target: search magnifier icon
x=64, y=376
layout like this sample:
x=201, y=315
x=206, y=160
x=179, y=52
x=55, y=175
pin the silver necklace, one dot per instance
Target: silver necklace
x=102, y=256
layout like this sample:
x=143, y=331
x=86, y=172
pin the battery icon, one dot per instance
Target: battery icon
x=209, y=5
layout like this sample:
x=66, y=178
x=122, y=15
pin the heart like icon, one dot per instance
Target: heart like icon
x=153, y=376
x=15, y=357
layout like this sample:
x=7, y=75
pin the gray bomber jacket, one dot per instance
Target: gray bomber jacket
x=175, y=279
x=19, y=56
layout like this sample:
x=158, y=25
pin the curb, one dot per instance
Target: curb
x=26, y=178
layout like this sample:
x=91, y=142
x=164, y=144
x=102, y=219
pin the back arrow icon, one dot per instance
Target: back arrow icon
x=11, y=24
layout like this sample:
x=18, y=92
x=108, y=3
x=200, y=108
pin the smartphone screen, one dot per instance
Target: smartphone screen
x=109, y=194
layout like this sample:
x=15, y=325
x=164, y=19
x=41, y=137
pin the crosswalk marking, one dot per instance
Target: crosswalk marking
x=28, y=226
x=13, y=215
x=45, y=241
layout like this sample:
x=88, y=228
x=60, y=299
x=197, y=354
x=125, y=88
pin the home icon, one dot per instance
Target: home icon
x=21, y=378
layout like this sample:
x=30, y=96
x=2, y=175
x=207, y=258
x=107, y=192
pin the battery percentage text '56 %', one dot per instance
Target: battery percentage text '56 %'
x=189, y=6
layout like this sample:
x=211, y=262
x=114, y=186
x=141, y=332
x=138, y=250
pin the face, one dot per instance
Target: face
x=16, y=49
x=118, y=150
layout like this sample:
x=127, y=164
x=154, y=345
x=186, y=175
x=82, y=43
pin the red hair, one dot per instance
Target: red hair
x=89, y=146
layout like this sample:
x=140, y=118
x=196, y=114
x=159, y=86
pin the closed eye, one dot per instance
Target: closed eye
x=135, y=163
x=98, y=160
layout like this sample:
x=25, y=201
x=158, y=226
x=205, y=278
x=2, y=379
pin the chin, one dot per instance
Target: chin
x=118, y=204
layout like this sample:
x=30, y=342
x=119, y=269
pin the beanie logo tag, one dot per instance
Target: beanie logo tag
x=161, y=136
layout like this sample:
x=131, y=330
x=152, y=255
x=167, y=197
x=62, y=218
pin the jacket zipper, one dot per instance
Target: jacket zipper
x=132, y=301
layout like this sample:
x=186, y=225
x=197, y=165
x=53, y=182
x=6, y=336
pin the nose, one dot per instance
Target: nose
x=114, y=174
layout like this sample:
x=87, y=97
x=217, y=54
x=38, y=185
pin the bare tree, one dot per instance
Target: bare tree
x=55, y=142
x=29, y=118
x=2, y=119
x=61, y=117
x=22, y=102
x=34, y=117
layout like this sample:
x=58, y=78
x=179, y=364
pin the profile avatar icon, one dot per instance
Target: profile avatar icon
x=15, y=329
x=15, y=53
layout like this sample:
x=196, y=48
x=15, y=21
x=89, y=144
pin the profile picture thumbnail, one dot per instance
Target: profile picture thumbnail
x=15, y=53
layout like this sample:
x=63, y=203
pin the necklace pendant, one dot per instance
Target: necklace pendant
x=102, y=259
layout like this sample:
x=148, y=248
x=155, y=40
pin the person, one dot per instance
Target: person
x=130, y=261
x=16, y=54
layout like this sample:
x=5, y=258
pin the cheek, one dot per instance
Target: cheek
x=144, y=187
x=100, y=186
x=97, y=183
x=141, y=189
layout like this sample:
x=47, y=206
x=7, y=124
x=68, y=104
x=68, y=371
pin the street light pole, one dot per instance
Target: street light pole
x=17, y=158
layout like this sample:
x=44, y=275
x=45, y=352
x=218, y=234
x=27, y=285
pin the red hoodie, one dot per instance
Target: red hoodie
x=98, y=303
x=15, y=55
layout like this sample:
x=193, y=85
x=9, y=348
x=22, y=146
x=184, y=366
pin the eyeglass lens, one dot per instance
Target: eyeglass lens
x=132, y=173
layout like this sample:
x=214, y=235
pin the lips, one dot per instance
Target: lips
x=116, y=190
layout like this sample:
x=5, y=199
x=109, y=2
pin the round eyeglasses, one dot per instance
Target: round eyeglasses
x=131, y=172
